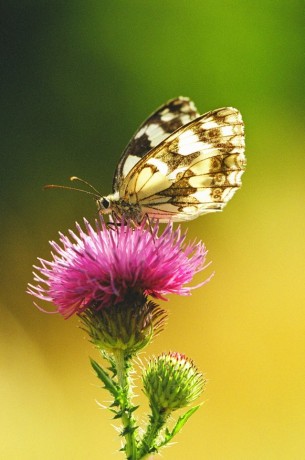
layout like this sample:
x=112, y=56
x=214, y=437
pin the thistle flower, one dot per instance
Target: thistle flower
x=105, y=275
x=103, y=267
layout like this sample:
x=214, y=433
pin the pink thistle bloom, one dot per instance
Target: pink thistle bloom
x=102, y=267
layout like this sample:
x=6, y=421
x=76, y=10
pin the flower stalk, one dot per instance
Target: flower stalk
x=157, y=421
x=126, y=408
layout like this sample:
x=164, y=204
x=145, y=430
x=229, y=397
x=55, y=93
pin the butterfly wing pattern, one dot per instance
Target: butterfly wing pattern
x=164, y=121
x=179, y=164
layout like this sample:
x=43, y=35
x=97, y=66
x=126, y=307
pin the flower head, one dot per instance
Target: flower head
x=171, y=381
x=102, y=266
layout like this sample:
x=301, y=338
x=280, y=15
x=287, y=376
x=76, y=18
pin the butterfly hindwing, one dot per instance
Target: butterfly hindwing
x=195, y=170
x=164, y=121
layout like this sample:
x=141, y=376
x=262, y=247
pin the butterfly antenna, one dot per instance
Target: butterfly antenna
x=86, y=183
x=65, y=187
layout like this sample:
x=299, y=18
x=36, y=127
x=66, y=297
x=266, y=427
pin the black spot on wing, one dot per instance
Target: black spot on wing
x=138, y=146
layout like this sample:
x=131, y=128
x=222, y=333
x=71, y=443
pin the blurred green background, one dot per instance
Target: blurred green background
x=77, y=79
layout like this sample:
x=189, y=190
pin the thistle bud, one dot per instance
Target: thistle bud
x=171, y=381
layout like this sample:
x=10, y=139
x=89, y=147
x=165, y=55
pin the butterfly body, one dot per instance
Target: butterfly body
x=116, y=205
x=179, y=164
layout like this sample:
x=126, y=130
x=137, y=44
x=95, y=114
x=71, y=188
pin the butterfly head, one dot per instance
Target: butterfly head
x=104, y=205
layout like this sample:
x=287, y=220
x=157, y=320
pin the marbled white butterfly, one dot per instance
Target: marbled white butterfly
x=178, y=165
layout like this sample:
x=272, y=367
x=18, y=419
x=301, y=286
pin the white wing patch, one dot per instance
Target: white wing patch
x=189, y=143
x=154, y=132
x=160, y=165
x=130, y=162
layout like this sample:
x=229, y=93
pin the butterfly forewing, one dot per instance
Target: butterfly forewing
x=195, y=170
x=164, y=121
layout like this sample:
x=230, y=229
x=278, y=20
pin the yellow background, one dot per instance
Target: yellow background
x=77, y=79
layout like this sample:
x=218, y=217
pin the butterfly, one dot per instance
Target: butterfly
x=178, y=165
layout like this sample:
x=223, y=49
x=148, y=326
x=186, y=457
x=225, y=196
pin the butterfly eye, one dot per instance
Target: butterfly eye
x=105, y=203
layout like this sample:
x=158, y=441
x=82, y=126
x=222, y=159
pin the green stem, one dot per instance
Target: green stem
x=128, y=421
x=157, y=421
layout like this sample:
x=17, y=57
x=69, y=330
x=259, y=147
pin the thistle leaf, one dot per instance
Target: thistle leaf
x=168, y=435
x=111, y=386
